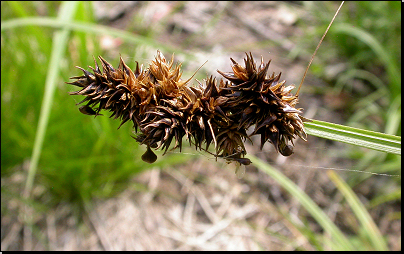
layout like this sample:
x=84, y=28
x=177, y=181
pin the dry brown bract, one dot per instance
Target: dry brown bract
x=164, y=107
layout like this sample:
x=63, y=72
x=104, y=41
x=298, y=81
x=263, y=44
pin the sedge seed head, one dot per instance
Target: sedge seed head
x=164, y=108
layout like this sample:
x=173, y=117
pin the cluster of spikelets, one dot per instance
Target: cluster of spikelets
x=164, y=107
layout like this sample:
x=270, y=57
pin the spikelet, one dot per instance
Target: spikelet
x=165, y=108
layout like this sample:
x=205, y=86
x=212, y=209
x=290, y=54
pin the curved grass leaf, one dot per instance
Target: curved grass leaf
x=88, y=28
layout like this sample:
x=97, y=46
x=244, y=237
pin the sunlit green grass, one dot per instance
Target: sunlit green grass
x=83, y=157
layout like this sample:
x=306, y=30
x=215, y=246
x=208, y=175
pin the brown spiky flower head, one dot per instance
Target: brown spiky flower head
x=164, y=107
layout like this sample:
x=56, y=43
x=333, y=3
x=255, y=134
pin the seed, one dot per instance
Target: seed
x=149, y=156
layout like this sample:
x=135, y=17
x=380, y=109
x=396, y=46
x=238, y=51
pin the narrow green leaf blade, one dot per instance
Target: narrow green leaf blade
x=59, y=45
x=354, y=136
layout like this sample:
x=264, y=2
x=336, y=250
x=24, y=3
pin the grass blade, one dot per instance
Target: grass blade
x=364, y=138
x=60, y=40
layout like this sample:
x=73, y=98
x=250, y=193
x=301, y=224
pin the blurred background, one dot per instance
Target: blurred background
x=92, y=191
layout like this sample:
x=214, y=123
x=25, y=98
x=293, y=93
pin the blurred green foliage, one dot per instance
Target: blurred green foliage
x=82, y=157
x=366, y=38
